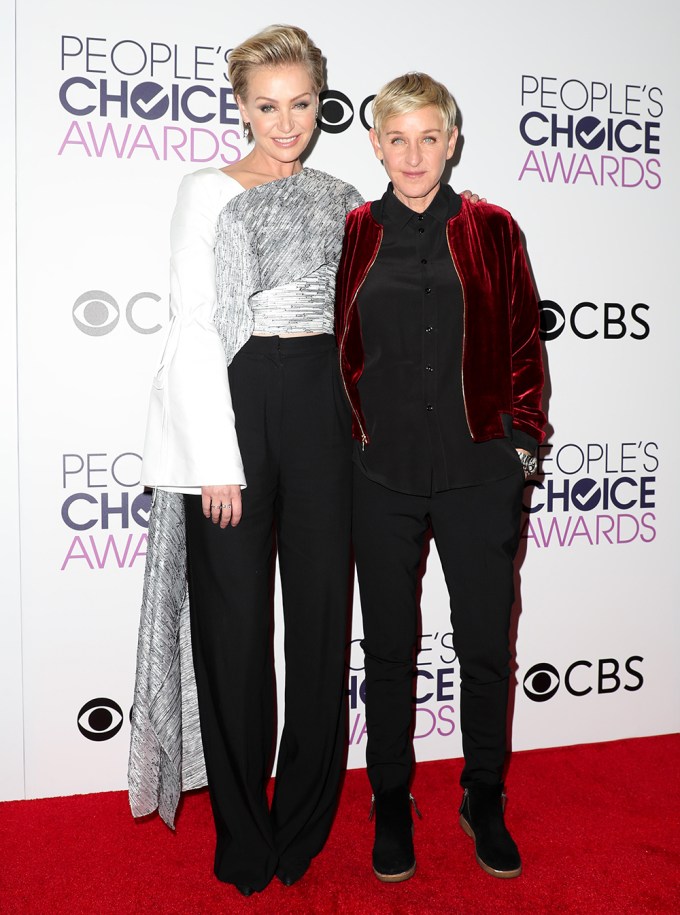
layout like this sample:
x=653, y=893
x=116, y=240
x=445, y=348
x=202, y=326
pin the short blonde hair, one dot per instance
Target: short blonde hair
x=411, y=92
x=275, y=46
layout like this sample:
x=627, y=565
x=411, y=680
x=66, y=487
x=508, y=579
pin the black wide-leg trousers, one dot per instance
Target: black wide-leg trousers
x=294, y=434
x=476, y=531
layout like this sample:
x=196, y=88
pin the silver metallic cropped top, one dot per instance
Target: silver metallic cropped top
x=277, y=249
x=301, y=307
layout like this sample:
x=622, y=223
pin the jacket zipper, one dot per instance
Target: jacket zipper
x=462, y=361
x=364, y=437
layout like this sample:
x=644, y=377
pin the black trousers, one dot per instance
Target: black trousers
x=293, y=428
x=476, y=531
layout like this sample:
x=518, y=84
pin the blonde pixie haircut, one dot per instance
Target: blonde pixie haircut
x=275, y=46
x=411, y=92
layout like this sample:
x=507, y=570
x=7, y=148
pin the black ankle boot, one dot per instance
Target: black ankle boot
x=393, y=857
x=481, y=817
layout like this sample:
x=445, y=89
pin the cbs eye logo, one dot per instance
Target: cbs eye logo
x=100, y=719
x=336, y=111
x=586, y=320
x=541, y=682
x=552, y=319
x=96, y=313
x=606, y=675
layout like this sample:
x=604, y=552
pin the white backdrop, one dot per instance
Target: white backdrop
x=11, y=706
x=570, y=119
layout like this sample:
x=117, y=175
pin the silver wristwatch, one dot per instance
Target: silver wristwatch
x=529, y=463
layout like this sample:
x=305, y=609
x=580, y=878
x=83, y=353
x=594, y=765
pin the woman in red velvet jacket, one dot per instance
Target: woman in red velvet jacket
x=437, y=328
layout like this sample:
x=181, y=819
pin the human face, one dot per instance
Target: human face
x=414, y=148
x=281, y=109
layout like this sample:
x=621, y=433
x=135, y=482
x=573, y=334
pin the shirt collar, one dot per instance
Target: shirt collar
x=446, y=203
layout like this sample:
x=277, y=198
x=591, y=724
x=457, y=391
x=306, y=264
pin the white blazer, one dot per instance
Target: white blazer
x=190, y=434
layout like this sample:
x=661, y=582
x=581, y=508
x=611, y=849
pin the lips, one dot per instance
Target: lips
x=286, y=141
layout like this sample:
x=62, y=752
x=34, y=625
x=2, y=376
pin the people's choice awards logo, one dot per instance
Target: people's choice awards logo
x=104, y=511
x=581, y=131
x=147, y=100
x=592, y=494
x=583, y=677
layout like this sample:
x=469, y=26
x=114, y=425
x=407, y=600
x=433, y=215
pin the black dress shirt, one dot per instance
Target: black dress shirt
x=411, y=313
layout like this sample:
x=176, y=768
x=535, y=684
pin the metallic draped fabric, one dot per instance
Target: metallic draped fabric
x=286, y=309
x=273, y=235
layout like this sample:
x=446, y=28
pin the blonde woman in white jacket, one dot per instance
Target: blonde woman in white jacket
x=248, y=449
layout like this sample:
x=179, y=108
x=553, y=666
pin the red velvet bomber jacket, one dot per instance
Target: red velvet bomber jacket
x=502, y=367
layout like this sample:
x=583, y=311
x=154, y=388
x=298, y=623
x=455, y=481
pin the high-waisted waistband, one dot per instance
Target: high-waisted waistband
x=290, y=345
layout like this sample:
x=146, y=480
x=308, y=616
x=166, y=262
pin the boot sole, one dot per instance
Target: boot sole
x=467, y=829
x=396, y=878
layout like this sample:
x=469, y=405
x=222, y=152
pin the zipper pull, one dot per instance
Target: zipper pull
x=415, y=806
x=372, y=810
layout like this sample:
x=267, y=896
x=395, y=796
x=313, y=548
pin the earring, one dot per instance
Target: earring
x=246, y=130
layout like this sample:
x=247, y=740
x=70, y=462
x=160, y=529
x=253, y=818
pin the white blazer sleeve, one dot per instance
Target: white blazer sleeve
x=190, y=437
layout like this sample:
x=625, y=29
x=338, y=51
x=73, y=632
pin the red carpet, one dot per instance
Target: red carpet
x=598, y=827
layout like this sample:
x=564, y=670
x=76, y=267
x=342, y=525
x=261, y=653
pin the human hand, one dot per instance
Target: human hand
x=222, y=504
x=473, y=198
x=528, y=461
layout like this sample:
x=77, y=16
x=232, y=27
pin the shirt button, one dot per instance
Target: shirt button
x=427, y=290
x=428, y=368
x=423, y=260
x=420, y=217
x=428, y=330
x=421, y=230
x=429, y=408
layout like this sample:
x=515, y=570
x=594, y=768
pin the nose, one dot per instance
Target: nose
x=413, y=154
x=285, y=121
